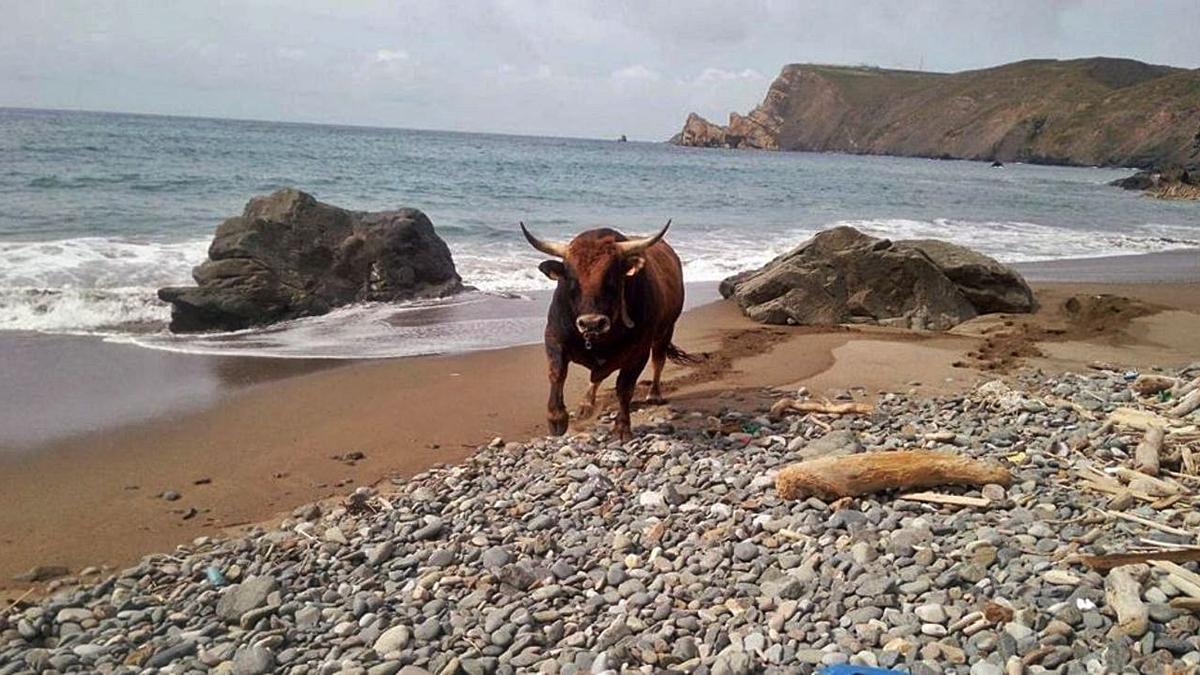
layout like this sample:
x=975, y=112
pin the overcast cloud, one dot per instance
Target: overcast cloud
x=596, y=69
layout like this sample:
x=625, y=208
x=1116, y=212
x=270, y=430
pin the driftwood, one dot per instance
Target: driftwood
x=1137, y=419
x=784, y=405
x=849, y=476
x=1186, y=404
x=1149, y=485
x=1124, y=595
x=1103, y=563
x=1149, y=523
x=1147, y=385
x=1145, y=457
x=1182, y=578
x=948, y=500
x=1184, y=388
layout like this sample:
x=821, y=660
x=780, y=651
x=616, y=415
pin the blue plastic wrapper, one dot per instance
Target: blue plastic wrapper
x=214, y=576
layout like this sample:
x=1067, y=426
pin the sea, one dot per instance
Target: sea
x=98, y=210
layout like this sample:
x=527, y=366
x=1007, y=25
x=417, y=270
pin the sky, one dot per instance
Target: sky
x=594, y=69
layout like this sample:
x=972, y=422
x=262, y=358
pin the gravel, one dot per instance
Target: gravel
x=669, y=552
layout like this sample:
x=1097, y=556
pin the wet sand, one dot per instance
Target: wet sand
x=266, y=441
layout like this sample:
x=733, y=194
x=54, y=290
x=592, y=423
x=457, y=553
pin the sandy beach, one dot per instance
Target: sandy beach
x=283, y=433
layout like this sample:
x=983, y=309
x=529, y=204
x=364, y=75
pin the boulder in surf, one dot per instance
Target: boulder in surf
x=289, y=255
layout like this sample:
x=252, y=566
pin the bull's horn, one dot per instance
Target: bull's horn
x=636, y=246
x=553, y=248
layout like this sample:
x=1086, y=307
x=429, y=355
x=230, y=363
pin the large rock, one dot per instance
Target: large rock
x=289, y=255
x=844, y=276
x=989, y=285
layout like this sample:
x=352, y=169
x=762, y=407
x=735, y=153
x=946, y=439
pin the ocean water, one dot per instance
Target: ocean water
x=99, y=210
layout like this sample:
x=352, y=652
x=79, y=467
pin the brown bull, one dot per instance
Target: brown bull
x=614, y=308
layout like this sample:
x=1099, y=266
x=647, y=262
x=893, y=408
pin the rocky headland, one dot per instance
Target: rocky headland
x=289, y=255
x=1091, y=112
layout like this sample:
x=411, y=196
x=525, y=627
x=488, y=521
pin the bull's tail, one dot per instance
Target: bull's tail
x=677, y=355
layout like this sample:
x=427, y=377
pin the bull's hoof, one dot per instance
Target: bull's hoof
x=585, y=411
x=558, y=424
x=654, y=400
x=623, y=434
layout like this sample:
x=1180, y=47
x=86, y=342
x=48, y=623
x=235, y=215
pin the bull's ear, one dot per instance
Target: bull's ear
x=553, y=269
x=634, y=265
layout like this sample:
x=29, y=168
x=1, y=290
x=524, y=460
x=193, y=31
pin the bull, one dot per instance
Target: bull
x=614, y=308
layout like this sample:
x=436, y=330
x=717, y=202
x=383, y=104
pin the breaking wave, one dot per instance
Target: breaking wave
x=107, y=286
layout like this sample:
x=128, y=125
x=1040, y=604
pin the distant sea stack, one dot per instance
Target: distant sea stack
x=1091, y=112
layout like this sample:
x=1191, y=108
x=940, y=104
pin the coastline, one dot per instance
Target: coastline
x=269, y=445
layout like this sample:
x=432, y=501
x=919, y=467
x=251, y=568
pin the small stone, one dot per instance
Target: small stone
x=745, y=551
x=392, y=640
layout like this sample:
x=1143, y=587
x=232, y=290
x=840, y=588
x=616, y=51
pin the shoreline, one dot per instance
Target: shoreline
x=268, y=447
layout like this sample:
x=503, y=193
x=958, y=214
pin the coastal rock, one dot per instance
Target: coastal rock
x=844, y=276
x=289, y=255
x=1175, y=182
x=989, y=285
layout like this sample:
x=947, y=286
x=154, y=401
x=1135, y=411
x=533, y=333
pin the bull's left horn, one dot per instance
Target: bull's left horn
x=554, y=248
x=636, y=246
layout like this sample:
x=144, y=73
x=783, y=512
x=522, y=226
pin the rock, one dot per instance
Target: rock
x=832, y=444
x=428, y=630
x=289, y=256
x=253, y=660
x=752, y=131
x=987, y=284
x=42, y=573
x=745, y=551
x=391, y=640
x=842, y=275
x=495, y=557
x=733, y=662
x=241, y=598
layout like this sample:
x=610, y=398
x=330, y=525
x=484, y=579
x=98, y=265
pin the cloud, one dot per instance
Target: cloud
x=594, y=68
x=636, y=73
x=390, y=55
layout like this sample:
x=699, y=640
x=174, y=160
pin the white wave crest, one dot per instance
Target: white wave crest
x=98, y=262
x=82, y=310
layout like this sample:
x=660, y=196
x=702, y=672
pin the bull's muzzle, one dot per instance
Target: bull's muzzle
x=592, y=325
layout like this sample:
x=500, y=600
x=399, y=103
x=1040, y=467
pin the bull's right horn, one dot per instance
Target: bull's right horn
x=554, y=248
x=636, y=246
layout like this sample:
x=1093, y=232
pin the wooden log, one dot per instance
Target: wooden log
x=1103, y=563
x=1124, y=595
x=1145, y=457
x=1148, y=385
x=835, y=477
x=1186, y=404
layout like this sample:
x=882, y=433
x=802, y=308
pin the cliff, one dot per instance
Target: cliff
x=1096, y=111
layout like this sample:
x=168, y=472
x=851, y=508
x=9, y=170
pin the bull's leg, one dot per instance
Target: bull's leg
x=626, y=383
x=657, y=359
x=556, y=410
x=587, y=407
